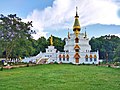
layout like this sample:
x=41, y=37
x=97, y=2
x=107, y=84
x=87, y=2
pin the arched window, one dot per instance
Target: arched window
x=95, y=58
x=60, y=57
x=67, y=56
x=90, y=58
x=63, y=57
x=86, y=58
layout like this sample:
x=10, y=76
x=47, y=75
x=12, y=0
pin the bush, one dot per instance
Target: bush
x=117, y=59
x=83, y=63
x=1, y=68
x=0, y=62
x=27, y=64
x=117, y=63
x=55, y=63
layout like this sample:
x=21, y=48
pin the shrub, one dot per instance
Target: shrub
x=1, y=68
x=117, y=63
x=27, y=64
x=83, y=63
x=55, y=63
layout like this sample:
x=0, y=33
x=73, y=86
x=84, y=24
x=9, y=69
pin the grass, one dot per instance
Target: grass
x=60, y=77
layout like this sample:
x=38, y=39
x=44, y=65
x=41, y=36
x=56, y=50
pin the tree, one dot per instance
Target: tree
x=42, y=44
x=117, y=54
x=12, y=29
x=106, y=45
x=25, y=49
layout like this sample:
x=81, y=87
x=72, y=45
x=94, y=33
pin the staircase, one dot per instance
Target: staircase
x=42, y=61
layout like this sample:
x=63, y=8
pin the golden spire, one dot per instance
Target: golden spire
x=68, y=34
x=51, y=40
x=76, y=23
x=76, y=26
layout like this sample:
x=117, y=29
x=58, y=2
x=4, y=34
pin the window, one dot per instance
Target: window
x=77, y=50
x=86, y=59
x=59, y=59
x=67, y=59
x=63, y=57
x=90, y=59
x=95, y=59
x=67, y=56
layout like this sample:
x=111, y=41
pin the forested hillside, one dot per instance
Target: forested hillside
x=108, y=46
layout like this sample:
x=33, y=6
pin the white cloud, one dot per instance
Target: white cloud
x=116, y=34
x=61, y=14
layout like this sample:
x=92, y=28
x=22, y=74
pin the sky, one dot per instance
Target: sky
x=97, y=17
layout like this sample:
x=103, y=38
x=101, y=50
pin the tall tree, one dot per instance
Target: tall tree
x=25, y=49
x=107, y=46
x=117, y=54
x=11, y=30
x=42, y=44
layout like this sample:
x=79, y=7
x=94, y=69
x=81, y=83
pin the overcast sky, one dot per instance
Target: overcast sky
x=99, y=17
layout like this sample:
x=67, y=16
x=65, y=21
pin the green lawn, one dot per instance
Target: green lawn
x=60, y=77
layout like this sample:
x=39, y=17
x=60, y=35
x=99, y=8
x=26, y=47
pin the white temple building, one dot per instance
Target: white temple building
x=76, y=50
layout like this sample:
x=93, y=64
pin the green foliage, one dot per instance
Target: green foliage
x=0, y=63
x=117, y=54
x=11, y=30
x=107, y=46
x=42, y=44
x=60, y=77
x=25, y=48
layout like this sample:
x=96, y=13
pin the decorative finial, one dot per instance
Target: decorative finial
x=76, y=8
x=51, y=40
x=76, y=11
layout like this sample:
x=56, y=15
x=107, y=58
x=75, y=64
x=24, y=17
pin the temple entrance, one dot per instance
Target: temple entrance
x=77, y=60
x=76, y=56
